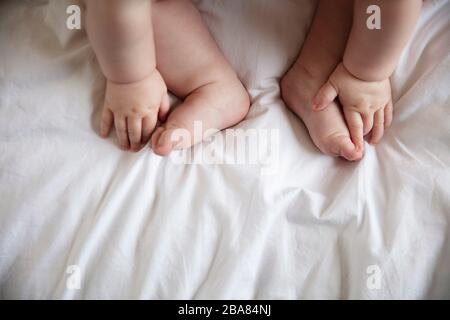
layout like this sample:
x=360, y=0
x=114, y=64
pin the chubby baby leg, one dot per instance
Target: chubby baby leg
x=196, y=71
x=321, y=53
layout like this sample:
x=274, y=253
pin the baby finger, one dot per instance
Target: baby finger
x=378, y=127
x=134, y=125
x=121, y=130
x=148, y=125
x=355, y=126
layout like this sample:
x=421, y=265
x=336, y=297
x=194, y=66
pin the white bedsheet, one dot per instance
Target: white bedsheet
x=139, y=226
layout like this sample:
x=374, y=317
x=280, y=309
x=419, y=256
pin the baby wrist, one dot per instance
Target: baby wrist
x=366, y=73
x=129, y=79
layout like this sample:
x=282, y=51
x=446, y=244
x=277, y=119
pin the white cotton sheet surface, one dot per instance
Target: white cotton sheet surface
x=140, y=226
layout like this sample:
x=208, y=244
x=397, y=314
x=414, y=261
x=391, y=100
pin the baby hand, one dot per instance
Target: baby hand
x=367, y=105
x=134, y=108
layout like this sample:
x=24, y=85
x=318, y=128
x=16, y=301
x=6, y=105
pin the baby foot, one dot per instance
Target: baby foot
x=327, y=128
x=216, y=106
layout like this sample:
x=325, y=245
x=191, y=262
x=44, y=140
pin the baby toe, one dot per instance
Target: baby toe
x=170, y=138
x=342, y=146
x=159, y=145
x=351, y=153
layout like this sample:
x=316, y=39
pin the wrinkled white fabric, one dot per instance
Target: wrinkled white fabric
x=139, y=226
